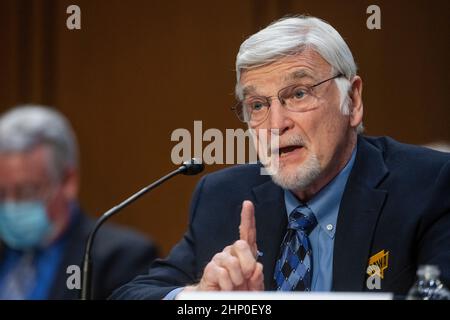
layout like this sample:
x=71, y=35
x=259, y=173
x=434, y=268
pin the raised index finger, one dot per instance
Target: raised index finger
x=247, y=228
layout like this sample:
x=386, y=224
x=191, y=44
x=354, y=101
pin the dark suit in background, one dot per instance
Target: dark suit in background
x=397, y=199
x=119, y=254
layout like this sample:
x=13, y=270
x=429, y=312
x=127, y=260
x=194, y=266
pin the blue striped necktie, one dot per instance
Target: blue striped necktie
x=293, y=271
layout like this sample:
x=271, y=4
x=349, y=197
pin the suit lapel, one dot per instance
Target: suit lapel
x=271, y=222
x=358, y=215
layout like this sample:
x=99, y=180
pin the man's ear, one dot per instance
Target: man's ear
x=70, y=184
x=356, y=105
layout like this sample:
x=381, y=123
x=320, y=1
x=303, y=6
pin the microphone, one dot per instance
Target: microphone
x=190, y=167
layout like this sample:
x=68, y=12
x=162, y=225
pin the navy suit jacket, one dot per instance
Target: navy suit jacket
x=397, y=199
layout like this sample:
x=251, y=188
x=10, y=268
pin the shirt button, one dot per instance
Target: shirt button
x=329, y=227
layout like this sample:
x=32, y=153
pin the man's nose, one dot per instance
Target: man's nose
x=279, y=117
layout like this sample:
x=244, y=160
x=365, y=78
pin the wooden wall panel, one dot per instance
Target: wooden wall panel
x=404, y=65
x=131, y=76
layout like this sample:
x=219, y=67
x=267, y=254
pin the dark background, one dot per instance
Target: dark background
x=137, y=70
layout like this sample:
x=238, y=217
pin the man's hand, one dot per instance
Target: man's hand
x=235, y=268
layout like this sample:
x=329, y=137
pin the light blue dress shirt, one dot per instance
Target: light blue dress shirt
x=325, y=206
x=46, y=264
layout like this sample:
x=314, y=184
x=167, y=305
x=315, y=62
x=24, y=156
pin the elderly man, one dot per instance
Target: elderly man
x=42, y=229
x=340, y=208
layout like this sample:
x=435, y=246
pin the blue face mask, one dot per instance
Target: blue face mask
x=24, y=225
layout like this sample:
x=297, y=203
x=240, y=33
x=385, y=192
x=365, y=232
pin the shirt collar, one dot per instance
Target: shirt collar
x=325, y=204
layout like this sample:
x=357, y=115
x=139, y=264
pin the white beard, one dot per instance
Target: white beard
x=299, y=178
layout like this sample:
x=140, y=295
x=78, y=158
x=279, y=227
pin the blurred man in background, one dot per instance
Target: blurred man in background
x=43, y=231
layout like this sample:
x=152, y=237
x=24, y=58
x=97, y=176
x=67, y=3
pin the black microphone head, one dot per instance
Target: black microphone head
x=192, y=167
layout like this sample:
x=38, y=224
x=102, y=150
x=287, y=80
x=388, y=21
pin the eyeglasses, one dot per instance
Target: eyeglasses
x=28, y=192
x=296, y=98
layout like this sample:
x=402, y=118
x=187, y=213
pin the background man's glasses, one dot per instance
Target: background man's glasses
x=29, y=192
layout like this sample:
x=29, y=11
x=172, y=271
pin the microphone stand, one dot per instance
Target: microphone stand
x=87, y=263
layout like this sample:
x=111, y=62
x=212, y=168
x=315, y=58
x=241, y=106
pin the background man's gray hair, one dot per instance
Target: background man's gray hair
x=27, y=126
x=290, y=36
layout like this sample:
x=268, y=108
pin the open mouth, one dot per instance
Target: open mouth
x=284, y=151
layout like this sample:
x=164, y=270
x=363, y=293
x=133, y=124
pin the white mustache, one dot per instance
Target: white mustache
x=287, y=142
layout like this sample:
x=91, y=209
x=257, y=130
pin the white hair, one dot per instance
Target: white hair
x=28, y=126
x=290, y=36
